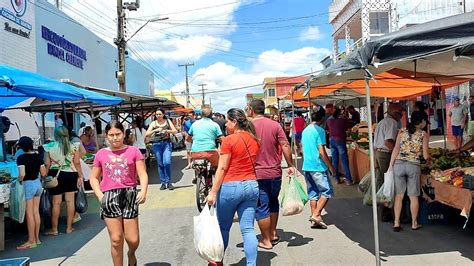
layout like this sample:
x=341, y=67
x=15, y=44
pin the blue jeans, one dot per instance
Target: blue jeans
x=162, y=151
x=240, y=197
x=339, y=149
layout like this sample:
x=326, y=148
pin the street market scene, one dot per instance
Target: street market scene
x=332, y=132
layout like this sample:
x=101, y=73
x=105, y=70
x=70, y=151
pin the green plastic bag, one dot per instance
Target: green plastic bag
x=294, y=198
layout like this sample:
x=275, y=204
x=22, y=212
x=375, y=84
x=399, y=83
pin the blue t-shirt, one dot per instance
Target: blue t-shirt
x=313, y=137
x=205, y=133
x=187, y=125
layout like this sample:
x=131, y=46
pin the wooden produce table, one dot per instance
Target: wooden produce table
x=459, y=198
x=359, y=163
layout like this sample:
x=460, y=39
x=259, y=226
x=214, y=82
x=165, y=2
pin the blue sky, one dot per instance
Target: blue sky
x=232, y=43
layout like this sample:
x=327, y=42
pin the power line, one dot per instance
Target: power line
x=184, y=11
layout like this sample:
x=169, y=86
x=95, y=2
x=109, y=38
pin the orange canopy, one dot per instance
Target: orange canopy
x=394, y=84
x=181, y=110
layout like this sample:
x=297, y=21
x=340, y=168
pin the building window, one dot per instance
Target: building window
x=271, y=92
x=379, y=22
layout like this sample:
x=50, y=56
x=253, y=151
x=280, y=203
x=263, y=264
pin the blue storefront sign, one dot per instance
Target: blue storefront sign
x=63, y=49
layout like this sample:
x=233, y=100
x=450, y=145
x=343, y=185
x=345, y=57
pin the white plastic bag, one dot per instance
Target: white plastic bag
x=207, y=235
x=389, y=185
x=17, y=201
x=292, y=202
x=86, y=170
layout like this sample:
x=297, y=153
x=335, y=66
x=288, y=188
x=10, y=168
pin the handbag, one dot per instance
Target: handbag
x=52, y=181
x=173, y=138
x=45, y=203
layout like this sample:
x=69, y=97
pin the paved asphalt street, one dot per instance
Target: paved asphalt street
x=167, y=235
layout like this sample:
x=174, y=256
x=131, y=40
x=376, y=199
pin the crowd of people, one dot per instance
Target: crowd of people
x=245, y=147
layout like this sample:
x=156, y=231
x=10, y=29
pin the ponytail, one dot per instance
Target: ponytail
x=243, y=123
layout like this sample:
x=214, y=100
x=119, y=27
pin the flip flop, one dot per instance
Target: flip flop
x=25, y=247
x=276, y=241
x=50, y=233
x=262, y=247
x=397, y=229
x=418, y=227
x=320, y=223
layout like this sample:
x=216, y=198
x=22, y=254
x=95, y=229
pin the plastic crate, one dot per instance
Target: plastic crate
x=433, y=213
x=468, y=181
x=23, y=261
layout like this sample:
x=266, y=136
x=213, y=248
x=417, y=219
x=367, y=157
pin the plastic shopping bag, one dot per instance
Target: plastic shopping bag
x=81, y=201
x=17, y=201
x=45, y=203
x=389, y=185
x=86, y=170
x=294, y=199
x=207, y=235
x=364, y=184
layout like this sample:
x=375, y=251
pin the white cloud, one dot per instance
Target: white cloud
x=311, y=34
x=221, y=76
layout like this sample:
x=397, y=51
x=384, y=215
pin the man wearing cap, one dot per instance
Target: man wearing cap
x=458, y=115
x=384, y=142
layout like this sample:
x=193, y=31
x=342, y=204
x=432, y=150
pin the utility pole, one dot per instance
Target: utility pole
x=121, y=46
x=187, y=82
x=210, y=103
x=463, y=6
x=203, y=95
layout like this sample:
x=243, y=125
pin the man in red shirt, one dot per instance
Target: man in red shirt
x=298, y=126
x=273, y=142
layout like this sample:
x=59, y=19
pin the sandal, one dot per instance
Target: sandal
x=276, y=241
x=51, y=233
x=417, y=227
x=397, y=229
x=260, y=245
x=319, y=222
x=26, y=246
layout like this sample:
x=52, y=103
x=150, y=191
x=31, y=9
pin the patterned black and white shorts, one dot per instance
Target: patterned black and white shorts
x=120, y=202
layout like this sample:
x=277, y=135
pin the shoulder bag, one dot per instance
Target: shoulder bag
x=248, y=153
x=52, y=181
x=173, y=138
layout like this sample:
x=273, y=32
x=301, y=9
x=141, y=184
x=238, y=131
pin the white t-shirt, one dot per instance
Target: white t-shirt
x=457, y=115
x=139, y=138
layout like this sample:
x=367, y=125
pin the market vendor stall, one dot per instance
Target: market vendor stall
x=437, y=50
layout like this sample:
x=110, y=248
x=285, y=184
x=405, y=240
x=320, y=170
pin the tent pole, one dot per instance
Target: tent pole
x=63, y=106
x=95, y=129
x=293, y=139
x=444, y=120
x=43, y=125
x=372, y=171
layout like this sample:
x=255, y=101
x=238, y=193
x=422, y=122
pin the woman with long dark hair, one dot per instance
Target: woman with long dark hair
x=412, y=143
x=235, y=187
x=64, y=156
x=117, y=192
x=160, y=132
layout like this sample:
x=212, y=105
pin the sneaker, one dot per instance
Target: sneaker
x=170, y=187
x=348, y=183
x=163, y=187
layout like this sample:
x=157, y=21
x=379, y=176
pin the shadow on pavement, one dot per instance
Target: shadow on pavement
x=293, y=239
x=157, y=264
x=355, y=221
x=263, y=258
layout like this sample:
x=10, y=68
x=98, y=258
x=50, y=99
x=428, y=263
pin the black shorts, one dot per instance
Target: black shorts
x=67, y=182
x=120, y=202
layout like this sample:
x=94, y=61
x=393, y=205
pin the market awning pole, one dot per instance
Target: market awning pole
x=444, y=119
x=293, y=139
x=64, y=113
x=372, y=171
x=43, y=125
x=96, y=137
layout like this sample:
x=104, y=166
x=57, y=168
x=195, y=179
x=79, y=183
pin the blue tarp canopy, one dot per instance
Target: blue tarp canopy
x=17, y=85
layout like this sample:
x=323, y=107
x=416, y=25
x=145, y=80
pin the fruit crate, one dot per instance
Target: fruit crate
x=468, y=182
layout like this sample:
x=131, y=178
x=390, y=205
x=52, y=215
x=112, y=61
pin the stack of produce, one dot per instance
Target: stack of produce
x=5, y=177
x=451, y=176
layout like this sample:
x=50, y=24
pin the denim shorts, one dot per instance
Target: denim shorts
x=269, y=189
x=457, y=130
x=33, y=188
x=319, y=185
x=298, y=136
